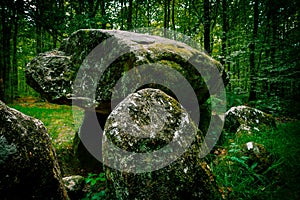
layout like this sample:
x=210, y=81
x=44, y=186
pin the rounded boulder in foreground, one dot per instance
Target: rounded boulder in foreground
x=151, y=150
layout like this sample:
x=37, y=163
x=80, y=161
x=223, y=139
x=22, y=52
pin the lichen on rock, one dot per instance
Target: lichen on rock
x=28, y=165
x=6, y=150
x=143, y=125
x=244, y=119
x=103, y=56
x=74, y=185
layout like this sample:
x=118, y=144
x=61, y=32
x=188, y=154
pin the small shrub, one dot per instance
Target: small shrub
x=96, y=184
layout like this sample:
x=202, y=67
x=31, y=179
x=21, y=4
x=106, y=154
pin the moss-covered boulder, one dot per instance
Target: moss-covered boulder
x=53, y=73
x=244, y=119
x=28, y=165
x=160, y=147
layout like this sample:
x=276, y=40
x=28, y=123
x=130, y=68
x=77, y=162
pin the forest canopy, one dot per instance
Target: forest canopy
x=257, y=41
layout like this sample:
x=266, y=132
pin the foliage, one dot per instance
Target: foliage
x=96, y=184
x=255, y=40
x=238, y=179
x=236, y=97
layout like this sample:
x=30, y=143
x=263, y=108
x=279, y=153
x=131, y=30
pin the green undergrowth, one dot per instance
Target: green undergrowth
x=236, y=179
x=280, y=180
x=96, y=184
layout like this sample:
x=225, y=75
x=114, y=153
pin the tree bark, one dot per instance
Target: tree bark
x=14, y=56
x=166, y=16
x=224, y=35
x=103, y=14
x=122, y=14
x=6, y=9
x=129, y=16
x=253, y=69
x=207, y=26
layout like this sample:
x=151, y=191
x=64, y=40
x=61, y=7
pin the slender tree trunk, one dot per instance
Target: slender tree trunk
x=122, y=14
x=207, y=26
x=39, y=14
x=103, y=14
x=38, y=39
x=274, y=34
x=224, y=35
x=2, y=63
x=173, y=15
x=166, y=16
x=173, y=18
x=14, y=57
x=129, y=16
x=213, y=22
x=253, y=69
x=168, y=13
x=6, y=62
x=148, y=14
x=136, y=13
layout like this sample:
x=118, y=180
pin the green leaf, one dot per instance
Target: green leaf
x=254, y=165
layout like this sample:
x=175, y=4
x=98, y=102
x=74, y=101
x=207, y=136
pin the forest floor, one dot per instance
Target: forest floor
x=235, y=180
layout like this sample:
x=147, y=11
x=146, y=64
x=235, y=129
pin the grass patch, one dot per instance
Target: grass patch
x=61, y=126
x=239, y=180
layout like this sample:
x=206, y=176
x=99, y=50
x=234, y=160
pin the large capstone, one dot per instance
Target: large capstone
x=151, y=149
x=99, y=58
x=28, y=165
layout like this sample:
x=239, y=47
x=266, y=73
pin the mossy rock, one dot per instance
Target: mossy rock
x=28, y=164
x=151, y=123
x=244, y=119
x=53, y=73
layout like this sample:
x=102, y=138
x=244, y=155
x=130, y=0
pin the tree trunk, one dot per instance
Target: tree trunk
x=224, y=36
x=166, y=16
x=6, y=64
x=14, y=57
x=173, y=18
x=122, y=14
x=148, y=15
x=136, y=13
x=103, y=14
x=38, y=39
x=207, y=26
x=253, y=69
x=129, y=16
